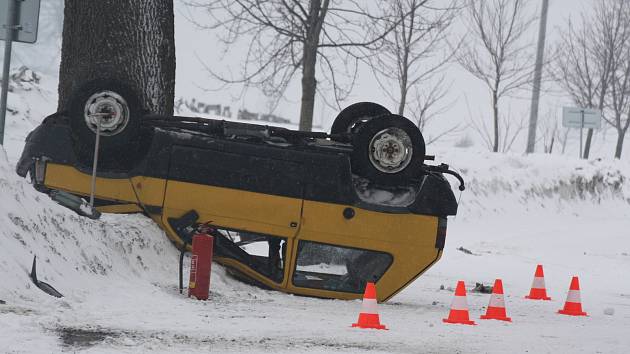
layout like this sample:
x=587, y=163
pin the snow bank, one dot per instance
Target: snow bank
x=509, y=183
x=73, y=252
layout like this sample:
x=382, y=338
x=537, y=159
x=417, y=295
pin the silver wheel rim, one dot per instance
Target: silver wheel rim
x=111, y=109
x=390, y=150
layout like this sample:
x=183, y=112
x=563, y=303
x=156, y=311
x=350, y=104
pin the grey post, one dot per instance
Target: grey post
x=95, y=163
x=533, y=114
x=10, y=30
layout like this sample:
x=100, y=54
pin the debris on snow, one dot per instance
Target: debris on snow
x=482, y=289
x=26, y=78
x=609, y=311
x=447, y=288
x=465, y=250
x=45, y=287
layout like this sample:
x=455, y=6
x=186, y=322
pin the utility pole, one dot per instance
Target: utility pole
x=533, y=115
x=10, y=30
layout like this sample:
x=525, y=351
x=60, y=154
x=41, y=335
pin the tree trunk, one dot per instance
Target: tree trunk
x=309, y=87
x=403, y=82
x=621, y=134
x=587, y=144
x=131, y=41
x=600, y=106
x=316, y=16
x=403, y=100
x=495, y=117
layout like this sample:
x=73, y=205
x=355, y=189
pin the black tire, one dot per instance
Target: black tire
x=115, y=150
x=350, y=115
x=362, y=163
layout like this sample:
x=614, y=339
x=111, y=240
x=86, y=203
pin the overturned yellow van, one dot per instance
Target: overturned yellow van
x=309, y=213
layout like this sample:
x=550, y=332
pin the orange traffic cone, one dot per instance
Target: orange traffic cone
x=368, y=318
x=538, y=291
x=459, y=307
x=573, y=305
x=496, y=307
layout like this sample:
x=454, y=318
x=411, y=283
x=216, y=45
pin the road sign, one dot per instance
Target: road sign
x=19, y=23
x=573, y=117
x=27, y=20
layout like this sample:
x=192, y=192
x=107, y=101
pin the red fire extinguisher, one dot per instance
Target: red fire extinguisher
x=200, y=266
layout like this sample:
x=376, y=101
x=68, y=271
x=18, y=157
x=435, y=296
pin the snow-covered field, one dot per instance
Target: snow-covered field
x=119, y=274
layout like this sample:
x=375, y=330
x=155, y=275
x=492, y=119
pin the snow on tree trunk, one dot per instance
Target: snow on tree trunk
x=130, y=41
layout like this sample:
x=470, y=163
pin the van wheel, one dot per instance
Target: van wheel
x=388, y=150
x=358, y=112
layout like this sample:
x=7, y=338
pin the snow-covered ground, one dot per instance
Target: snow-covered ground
x=119, y=274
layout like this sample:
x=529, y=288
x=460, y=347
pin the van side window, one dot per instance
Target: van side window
x=263, y=253
x=328, y=267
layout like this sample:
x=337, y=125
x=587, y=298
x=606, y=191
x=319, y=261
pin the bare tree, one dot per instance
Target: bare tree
x=428, y=104
x=510, y=129
x=617, y=111
x=591, y=59
x=415, y=52
x=290, y=36
x=498, y=52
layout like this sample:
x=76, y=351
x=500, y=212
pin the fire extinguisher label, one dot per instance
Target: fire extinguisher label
x=193, y=272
